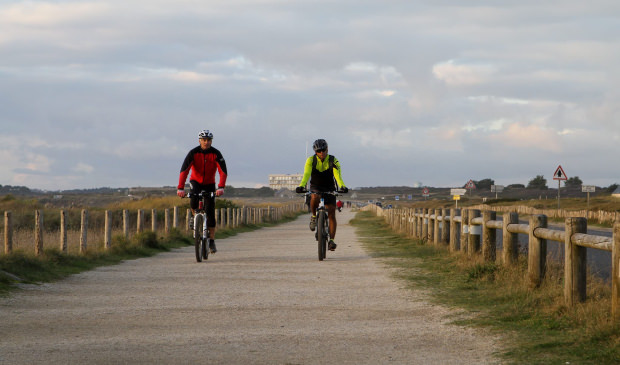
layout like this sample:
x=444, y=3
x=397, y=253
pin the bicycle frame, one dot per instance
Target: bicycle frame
x=200, y=225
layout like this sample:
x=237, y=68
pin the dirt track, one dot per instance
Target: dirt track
x=264, y=298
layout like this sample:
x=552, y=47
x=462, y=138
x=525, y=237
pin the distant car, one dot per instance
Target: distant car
x=378, y=204
x=389, y=206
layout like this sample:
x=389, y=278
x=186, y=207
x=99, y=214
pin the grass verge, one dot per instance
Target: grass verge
x=20, y=267
x=536, y=326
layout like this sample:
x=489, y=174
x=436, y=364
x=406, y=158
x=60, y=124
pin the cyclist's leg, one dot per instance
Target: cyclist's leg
x=331, y=209
x=195, y=189
x=315, y=199
x=210, y=209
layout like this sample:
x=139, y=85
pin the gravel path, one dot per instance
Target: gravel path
x=264, y=298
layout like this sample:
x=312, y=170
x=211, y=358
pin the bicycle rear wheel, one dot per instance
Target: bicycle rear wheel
x=198, y=242
x=322, y=235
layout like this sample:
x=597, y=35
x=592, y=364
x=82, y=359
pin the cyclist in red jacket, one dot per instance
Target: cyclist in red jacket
x=204, y=161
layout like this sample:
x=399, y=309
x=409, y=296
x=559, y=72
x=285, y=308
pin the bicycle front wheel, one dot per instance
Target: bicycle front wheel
x=322, y=234
x=198, y=242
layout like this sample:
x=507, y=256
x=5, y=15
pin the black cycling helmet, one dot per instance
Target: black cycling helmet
x=319, y=144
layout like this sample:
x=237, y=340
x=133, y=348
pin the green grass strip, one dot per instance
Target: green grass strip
x=534, y=324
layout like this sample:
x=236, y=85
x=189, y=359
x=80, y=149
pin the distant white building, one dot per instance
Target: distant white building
x=284, y=181
x=616, y=193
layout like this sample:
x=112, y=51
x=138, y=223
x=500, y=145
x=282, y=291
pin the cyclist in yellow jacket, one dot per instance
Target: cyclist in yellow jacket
x=323, y=171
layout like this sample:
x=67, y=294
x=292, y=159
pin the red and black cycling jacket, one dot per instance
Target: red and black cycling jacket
x=204, y=164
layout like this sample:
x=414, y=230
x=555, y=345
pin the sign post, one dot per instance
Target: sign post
x=456, y=193
x=497, y=189
x=471, y=186
x=559, y=175
x=425, y=193
x=588, y=189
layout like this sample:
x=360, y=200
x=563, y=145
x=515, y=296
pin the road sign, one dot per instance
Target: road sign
x=456, y=197
x=588, y=188
x=397, y=197
x=458, y=191
x=470, y=185
x=425, y=192
x=497, y=188
x=559, y=174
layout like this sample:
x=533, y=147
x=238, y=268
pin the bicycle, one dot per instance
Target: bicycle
x=201, y=231
x=322, y=223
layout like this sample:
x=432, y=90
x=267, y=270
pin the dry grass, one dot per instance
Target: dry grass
x=24, y=240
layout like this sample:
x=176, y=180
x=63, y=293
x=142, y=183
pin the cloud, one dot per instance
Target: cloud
x=455, y=74
x=114, y=92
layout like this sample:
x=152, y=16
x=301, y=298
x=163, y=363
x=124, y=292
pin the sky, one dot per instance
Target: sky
x=113, y=93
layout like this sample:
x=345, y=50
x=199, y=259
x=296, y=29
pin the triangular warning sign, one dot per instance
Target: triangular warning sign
x=559, y=174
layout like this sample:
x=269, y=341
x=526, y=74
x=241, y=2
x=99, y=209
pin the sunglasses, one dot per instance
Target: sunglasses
x=321, y=151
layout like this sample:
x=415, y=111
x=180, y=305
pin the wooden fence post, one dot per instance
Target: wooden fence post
x=537, y=251
x=141, y=221
x=154, y=220
x=228, y=223
x=107, y=239
x=125, y=223
x=436, y=233
x=424, y=225
x=8, y=232
x=167, y=221
x=489, y=239
x=83, y=231
x=63, y=232
x=474, y=233
x=38, y=232
x=445, y=230
x=510, y=241
x=175, y=217
x=464, y=230
x=454, y=233
x=188, y=214
x=574, y=263
x=615, y=274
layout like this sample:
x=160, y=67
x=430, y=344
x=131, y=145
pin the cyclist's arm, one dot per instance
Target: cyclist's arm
x=187, y=165
x=337, y=173
x=307, y=172
x=222, y=170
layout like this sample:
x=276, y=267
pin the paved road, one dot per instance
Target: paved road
x=264, y=298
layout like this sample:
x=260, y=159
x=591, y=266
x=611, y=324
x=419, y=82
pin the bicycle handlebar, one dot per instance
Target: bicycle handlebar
x=306, y=192
x=201, y=194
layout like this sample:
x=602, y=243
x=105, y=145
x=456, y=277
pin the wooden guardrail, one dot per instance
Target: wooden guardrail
x=224, y=217
x=474, y=232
